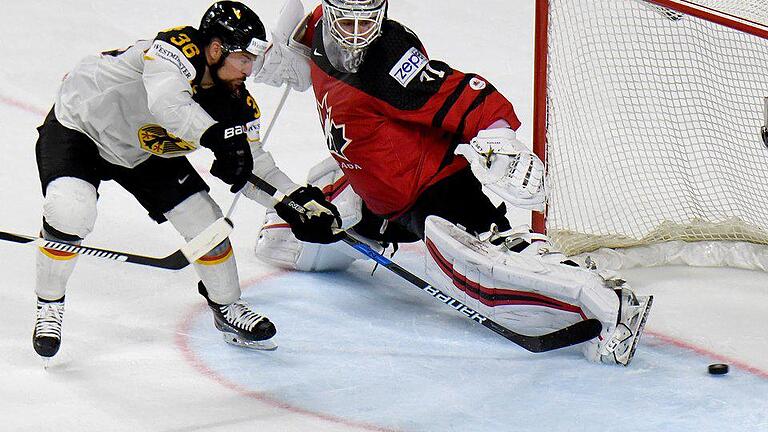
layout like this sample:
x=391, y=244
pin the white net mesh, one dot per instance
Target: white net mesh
x=751, y=10
x=653, y=125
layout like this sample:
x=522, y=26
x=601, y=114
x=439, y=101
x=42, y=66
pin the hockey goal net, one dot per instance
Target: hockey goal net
x=648, y=115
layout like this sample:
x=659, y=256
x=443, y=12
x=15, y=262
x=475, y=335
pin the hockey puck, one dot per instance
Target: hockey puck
x=718, y=369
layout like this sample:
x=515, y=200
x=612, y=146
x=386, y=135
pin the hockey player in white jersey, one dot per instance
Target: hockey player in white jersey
x=395, y=105
x=131, y=116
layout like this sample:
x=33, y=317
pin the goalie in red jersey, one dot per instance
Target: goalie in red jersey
x=397, y=124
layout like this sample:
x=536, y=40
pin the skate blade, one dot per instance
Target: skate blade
x=639, y=331
x=46, y=361
x=265, y=345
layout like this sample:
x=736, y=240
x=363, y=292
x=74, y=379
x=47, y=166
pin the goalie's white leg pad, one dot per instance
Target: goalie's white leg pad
x=524, y=291
x=218, y=268
x=276, y=245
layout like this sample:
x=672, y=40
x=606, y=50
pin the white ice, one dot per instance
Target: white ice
x=357, y=352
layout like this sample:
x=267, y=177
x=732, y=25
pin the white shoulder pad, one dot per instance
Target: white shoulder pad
x=167, y=76
x=164, y=51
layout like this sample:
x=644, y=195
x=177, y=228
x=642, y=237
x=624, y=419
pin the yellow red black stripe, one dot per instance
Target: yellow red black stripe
x=216, y=259
x=57, y=254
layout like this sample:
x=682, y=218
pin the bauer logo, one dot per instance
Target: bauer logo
x=234, y=130
x=409, y=66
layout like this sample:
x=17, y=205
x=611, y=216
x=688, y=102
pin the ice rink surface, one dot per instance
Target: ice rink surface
x=358, y=352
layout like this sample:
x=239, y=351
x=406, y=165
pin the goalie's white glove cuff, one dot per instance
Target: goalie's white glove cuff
x=498, y=141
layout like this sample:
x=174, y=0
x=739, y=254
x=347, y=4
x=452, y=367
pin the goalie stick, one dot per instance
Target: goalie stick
x=216, y=233
x=571, y=335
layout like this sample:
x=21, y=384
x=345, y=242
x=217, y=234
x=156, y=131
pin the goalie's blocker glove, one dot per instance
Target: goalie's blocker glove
x=319, y=224
x=234, y=162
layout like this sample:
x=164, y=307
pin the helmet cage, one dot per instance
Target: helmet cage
x=354, y=24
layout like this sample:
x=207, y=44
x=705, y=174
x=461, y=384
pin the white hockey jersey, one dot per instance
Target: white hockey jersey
x=147, y=101
x=116, y=99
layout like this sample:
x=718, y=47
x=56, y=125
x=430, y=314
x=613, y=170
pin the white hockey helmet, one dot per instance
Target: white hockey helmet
x=352, y=25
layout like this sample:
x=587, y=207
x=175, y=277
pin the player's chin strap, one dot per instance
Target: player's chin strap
x=212, y=236
x=279, y=108
x=571, y=335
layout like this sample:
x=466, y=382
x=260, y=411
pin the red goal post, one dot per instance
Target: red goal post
x=648, y=115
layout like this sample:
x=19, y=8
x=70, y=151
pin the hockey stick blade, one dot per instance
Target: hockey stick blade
x=209, y=238
x=568, y=336
x=574, y=334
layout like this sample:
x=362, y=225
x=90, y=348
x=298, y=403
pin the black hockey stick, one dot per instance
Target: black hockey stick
x=571, y=335
x=194, y=249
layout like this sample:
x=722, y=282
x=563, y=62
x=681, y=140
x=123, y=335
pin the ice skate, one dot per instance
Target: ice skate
x=633, y=312
x=46, y=337
x=240, y=325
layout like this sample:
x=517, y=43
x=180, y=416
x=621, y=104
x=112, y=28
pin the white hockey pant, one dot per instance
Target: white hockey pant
x=276, y=244
x=529, y=292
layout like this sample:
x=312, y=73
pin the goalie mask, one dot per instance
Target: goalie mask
x=349, y=28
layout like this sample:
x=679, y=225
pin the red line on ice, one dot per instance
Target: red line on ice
x=22, y=106
x=182, y=342
x=707, y=353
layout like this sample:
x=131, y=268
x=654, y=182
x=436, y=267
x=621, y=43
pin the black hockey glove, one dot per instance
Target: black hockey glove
x=234, y=162
x=318, y=223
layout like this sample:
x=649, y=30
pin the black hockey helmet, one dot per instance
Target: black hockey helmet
x=237, y=26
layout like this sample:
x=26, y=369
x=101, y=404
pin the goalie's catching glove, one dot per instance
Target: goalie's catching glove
x=320, y=224
x=507, y=167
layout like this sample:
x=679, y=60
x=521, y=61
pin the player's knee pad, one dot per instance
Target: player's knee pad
x=194, y=214
x=276, y=245
x=70, y=206
x=525, y=291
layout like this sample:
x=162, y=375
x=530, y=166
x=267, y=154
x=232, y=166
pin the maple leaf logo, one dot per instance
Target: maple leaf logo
x=335, y=135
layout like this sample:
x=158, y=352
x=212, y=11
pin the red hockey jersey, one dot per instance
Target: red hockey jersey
x=392, y=126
